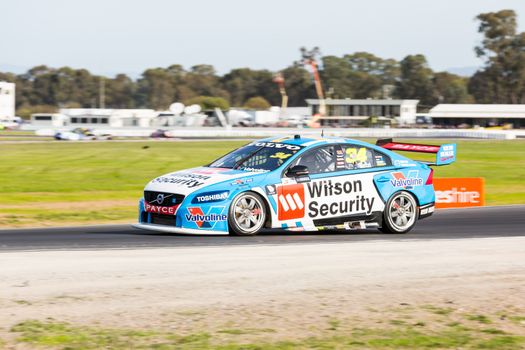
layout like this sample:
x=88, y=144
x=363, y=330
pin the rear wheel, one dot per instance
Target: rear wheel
x=247, y=214
x=400, y=213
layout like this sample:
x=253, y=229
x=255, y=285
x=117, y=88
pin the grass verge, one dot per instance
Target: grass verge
x=57, y=183
x=57, y=335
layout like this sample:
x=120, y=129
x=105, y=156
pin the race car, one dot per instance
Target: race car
x=80, y=134
x=299, y=184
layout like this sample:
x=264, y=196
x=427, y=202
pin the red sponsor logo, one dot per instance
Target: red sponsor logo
x=291, y=202
x=412, y=147
x=210, y=171
x=459, y=192
x=198, y=215
x=157, y=209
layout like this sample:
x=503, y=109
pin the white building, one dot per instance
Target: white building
x=7, y=100
x=98, y=118
x=351, y=112
x=482, y=115
x=55, y=120
x=115, y=118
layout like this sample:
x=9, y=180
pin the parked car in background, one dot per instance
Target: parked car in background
x=80, y=134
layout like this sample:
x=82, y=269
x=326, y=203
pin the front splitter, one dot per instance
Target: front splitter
x=179, y=230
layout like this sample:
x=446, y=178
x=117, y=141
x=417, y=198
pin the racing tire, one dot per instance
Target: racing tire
x=400, y=214
x=247, y=214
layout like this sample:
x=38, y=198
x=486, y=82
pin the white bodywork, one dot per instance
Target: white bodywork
x=189, y=180
x=329, y=197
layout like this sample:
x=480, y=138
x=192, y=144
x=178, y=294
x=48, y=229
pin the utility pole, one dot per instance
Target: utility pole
x=102, y=93
x=309, y=59
x=279, y=79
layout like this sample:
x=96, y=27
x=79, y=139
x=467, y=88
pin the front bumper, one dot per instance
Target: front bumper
x=179, y=230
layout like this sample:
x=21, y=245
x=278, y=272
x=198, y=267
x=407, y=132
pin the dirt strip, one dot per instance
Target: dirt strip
x=295, y=290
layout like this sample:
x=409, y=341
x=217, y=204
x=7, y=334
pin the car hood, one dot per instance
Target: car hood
x=190, y=180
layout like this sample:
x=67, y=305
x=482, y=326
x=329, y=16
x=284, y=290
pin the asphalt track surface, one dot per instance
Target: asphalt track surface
x=502, y=221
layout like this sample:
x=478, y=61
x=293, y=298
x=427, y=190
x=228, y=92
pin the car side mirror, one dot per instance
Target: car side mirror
x=298, y=171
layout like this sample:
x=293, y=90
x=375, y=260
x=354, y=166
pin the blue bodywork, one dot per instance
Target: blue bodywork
x=205, y=210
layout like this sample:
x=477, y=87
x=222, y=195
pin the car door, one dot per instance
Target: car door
x=293, y=193
x=339, y=188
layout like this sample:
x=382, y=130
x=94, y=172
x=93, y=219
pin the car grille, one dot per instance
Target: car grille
x=160, y=219
x=165, y=199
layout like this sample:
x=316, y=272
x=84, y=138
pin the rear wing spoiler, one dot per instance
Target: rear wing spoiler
x=445, y=154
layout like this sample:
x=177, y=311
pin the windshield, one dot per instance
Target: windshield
x=257, y=157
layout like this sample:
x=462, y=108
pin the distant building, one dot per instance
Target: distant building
x=7, y=100
x=483, y=115
x=352, y=112
x=114, y=118
x=55, y=120
x=96, y=118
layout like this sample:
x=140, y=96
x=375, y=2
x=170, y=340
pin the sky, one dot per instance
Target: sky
x=128, y=36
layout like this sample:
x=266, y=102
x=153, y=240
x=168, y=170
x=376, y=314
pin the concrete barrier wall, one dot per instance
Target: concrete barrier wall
x=215, y=132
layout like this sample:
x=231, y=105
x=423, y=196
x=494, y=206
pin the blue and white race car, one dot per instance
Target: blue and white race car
x=298, y=184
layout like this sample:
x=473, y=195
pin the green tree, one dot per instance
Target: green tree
x=502, y=80
x=25, y=111
x=203, y=80
x=257, y=102
x=338, y=77
x=299, y=85
x=358, y=75
x=120, y=92
x=155, y=89
x=450, y=88
x=209, y=102
x=416, y=80
x=244, y=83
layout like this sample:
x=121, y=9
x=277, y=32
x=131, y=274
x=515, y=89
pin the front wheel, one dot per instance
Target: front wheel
x=400, y=213
x=247, y=214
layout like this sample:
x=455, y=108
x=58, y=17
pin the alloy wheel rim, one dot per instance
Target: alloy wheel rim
x=402, y=212
x=248, y=213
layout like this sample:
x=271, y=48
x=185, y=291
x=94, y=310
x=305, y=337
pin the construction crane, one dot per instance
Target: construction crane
x=279, y=80
x=309, y=59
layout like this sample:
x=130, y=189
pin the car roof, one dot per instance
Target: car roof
x=311, y=141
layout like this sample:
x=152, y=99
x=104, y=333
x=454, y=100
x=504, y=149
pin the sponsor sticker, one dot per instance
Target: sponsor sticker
x=413, y=147
x=403, y=162
x=255, y=170
x=242, y=181
x=380, y=161
x=277, y=145
x=291, y=202
x=459, y=192
x=189, y=180
x=346, y=197
x=446, y=153
x=206, y=220
x=281, y=155
x=157, y=209
x=412, y=180
x=210, y=171
x=210, y=197
x=271, y=190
